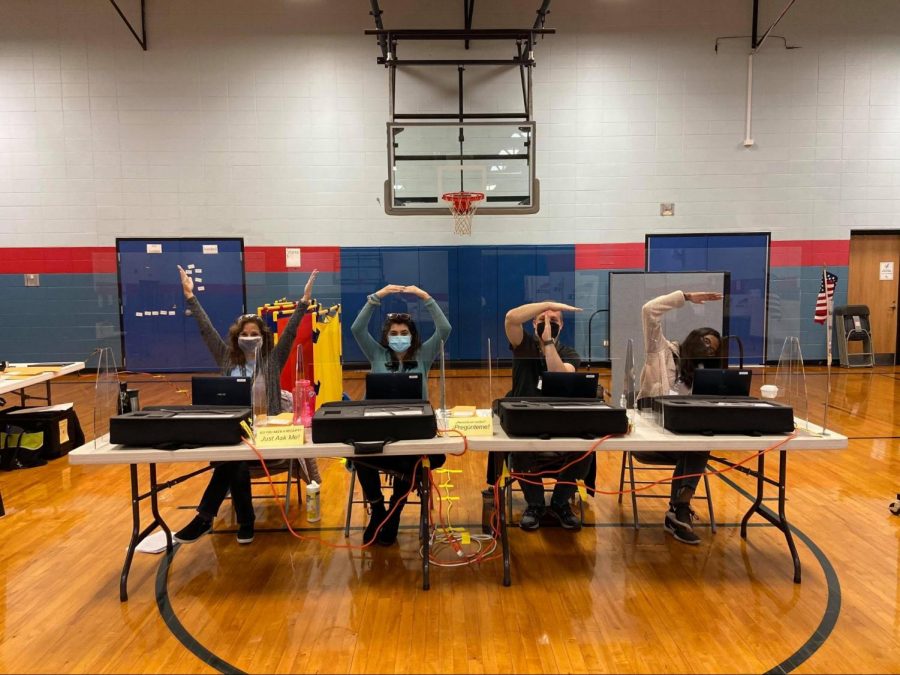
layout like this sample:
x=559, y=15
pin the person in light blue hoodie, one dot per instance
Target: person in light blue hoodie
x=399, y=349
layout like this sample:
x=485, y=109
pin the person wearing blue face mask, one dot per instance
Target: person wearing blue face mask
x=400, y=349
x=249, y=348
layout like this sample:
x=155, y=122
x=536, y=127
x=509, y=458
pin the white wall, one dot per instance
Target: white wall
x=265, y=119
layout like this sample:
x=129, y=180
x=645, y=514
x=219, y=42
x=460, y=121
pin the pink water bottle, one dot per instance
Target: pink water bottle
x=304, y=402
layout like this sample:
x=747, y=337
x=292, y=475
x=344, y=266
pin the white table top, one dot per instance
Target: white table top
x=648, y=436
x=103, y=452
x=20, y=375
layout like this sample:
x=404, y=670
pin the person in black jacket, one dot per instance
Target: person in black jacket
x=236, y=356
x=532, y=355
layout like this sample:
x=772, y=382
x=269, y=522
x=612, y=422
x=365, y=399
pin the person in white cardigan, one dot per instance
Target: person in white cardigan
x=669, y=370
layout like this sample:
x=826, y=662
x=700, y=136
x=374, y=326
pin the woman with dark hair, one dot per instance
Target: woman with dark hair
x=399, y=349
x=248, y=339
x=669, y=370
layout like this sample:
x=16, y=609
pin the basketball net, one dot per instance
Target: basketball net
x=462, y=207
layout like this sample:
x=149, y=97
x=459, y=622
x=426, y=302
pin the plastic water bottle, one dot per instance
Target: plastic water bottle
x=259, y=397
x=313, y=503
x=304, y=397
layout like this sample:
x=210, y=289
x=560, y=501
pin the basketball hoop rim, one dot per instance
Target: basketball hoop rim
x=463, y=196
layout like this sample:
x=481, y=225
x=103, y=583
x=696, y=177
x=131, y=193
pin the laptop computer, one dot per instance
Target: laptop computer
x=722, y=382
x=393, y=386
x=569, y=385
x=220, y=390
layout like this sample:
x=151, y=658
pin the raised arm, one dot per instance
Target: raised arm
x=653, y=311
x=214, y=342
x=282, y=351
x=430, y=348
x=517, y=316
x=360, y=327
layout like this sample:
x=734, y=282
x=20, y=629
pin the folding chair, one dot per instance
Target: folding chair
x=552, y=459
x=655, y=462
x=387, y=483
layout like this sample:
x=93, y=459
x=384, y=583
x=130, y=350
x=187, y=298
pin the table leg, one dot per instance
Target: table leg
x=154, y=508
x=760, y=487
x=779, y=520
x=135, y=533
x=424, y=529
x=782, y=519
x=501, y=515
x=2, y=509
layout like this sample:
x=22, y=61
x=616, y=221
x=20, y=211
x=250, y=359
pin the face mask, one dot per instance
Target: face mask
x=249, y=345
x=554, y=330
x=399, y=343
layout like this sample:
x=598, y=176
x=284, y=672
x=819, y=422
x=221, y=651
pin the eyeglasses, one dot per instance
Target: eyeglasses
x=398, y=316
x=709, y=344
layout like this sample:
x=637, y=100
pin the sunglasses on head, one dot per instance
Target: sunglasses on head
x=248, y=317
x=398, y=316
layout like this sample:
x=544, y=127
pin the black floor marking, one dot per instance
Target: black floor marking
x=812, y=644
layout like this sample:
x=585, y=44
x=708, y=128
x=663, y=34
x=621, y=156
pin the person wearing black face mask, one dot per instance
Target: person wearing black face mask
x=669, y=369
x=400, y=349
x=532, y=355
x=249, y=347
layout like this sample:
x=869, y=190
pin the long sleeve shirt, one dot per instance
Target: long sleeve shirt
x=221, y=350
x=379, y=356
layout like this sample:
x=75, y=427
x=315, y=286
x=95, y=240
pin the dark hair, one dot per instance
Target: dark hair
x=694, y=351
x=401, y=320
x=268, y=340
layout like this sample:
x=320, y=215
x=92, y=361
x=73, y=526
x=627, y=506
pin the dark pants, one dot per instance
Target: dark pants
x=402, y=469
x=688, y=463
x=531, y=462
x=234, y=477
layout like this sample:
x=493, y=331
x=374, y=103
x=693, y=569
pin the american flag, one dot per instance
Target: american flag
x=826, y=294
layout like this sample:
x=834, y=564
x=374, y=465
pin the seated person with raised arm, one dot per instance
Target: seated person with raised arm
x=532, y=355
x=399, y=349
x=669, y=369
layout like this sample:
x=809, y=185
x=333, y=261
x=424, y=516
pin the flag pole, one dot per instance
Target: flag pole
x=829, y=303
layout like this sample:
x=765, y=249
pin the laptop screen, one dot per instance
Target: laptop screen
x=722, y=382
x=569, y=385
x=217, y=390
x=393, y=386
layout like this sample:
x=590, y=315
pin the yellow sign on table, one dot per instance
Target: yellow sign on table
x=278, y=436
x=473, y=425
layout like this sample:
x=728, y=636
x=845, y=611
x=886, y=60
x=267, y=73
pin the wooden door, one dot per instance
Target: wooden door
x=867, y=286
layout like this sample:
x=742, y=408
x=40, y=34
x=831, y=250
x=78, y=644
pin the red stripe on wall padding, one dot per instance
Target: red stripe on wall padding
x=273, y=259
x=609, y=256
x=58, y=260
x=809, y=252
x=102, y=259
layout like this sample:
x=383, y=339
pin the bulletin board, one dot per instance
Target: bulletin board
x=157, y=335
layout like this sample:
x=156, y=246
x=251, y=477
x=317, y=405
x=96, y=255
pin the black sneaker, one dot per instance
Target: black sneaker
x=564, y=514
x=682, y=514
x=673, y=525
x=245, y=533
x=193, y=530
x=531, y=519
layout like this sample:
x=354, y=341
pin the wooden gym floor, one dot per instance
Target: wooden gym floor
x=607, y=599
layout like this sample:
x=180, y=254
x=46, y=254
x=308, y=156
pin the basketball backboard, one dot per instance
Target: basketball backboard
x=429, y=159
